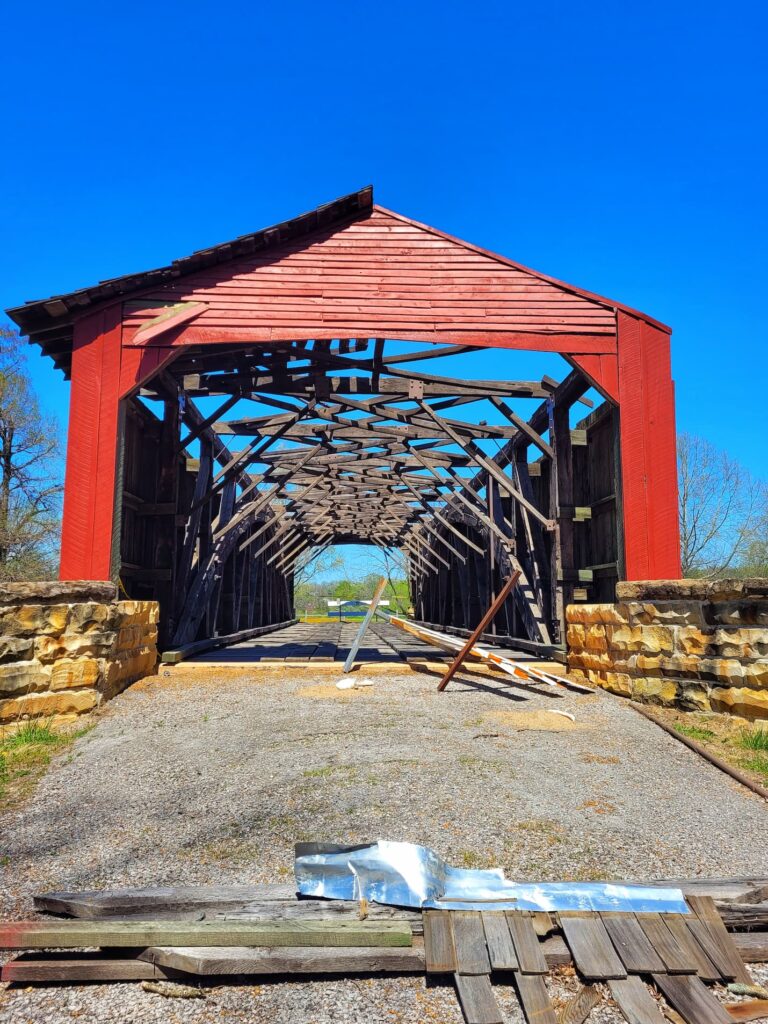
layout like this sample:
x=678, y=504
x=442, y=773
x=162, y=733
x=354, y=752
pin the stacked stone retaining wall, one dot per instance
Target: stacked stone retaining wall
x=694, y=644
x=67, y=647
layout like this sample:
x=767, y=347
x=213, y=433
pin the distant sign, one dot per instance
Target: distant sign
x=352, y=601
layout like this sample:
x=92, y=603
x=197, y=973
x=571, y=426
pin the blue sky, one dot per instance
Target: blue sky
x=618, y=147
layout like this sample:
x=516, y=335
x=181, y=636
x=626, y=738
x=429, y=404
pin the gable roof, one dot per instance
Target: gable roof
x=49, y=322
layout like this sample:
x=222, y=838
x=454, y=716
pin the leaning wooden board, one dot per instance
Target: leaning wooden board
x=77, y=934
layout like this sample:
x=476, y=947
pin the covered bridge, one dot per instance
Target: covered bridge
x=254, y=401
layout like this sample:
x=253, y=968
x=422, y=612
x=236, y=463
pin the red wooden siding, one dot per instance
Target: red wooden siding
x=89, y=494
x=379, y=276
x=648, y=452
x=103, y=371
x=384, y=276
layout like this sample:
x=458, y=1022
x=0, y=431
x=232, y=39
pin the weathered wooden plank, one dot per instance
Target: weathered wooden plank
x=743, y=915
x=79, y=967
x=592, y=950
x=534, y=999
x=753, y=1009
x=501, y=949
x=469, y=942
x=692, y=999
x=477, y=999
x=438, y=942
x=631, y=943
x=577, y=1009
x=93, y=904
x=678, y=925
x=752, y=946
x=677, y=959
x=320, y=910
x=723, y=963
x=635, y=1001
x=526, y=942
x=74, y=934
x=219, y=960
x=704, y=908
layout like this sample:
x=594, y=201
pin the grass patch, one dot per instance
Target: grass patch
x=694, y=732
x=26, y=754
x=473, y=860
x=348, y=772
x=757, y=764
x=754, y=739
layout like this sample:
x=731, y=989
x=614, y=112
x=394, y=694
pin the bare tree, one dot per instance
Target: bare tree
x=30, y=486
x=721, y=505
x=316, y=561
x=391, y=562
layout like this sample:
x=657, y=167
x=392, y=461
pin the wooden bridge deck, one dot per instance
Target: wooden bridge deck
x=331, y=642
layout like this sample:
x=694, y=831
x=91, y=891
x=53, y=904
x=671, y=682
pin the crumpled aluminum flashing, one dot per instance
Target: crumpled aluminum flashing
x=407, y=875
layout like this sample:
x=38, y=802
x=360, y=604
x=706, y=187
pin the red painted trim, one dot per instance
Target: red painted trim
x=89, y=492
x=602, y=371
x=138, y=365
x=550, y=342
x=648, y=451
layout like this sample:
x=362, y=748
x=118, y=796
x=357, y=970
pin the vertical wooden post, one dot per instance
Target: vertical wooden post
x=89, y=493
x=491, y=548
x=648, y=451
x=562, y=481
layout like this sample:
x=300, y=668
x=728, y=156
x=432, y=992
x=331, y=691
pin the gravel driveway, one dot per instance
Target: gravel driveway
x=211, y=776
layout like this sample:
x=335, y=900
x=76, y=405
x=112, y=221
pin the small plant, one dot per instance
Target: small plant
x=694, y=732
x=32, y=731
x=754, y=739
x=471, y=859
x=25, y=754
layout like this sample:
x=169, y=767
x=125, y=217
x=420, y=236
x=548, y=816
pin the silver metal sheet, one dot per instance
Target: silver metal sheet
x=407, y=875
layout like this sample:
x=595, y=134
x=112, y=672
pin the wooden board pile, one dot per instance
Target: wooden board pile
x=676, y=953
x=203, y=933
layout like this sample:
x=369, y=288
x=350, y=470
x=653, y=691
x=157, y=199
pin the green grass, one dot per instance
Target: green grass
x=349, y=771
x=694, y=732
x=757, y=764
x=318, y=773
x=34, y=731
x=754, y=739
x=26, y=754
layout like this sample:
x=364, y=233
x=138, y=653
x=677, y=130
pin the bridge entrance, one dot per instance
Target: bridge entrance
x=313, y=384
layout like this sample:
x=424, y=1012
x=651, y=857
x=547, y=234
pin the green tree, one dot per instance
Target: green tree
x=345, y=591
x=30, y=482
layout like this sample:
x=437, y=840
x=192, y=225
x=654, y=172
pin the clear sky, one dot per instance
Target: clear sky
x=620, y=147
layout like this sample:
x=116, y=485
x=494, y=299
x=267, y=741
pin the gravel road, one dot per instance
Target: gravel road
x=211, y=776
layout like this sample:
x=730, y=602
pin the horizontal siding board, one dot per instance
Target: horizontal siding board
x=379, y=277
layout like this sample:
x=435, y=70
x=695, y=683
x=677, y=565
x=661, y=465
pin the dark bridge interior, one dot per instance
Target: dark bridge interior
x=237, y=461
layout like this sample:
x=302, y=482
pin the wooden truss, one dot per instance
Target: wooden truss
x=318, y=443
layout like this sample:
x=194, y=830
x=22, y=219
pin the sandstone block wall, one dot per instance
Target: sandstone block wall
x=695, y=644
x=66, y=647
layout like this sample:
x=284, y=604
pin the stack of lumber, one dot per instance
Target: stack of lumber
x=197, y=933
x=639, y=957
